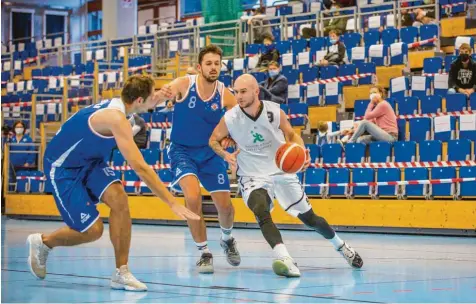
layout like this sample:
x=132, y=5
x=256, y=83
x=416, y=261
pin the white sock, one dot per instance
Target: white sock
x=226, y=233
x=203, y=247
x=281, y=251
x=337, y=241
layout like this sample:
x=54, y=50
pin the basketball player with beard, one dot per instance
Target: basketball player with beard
x=201, y=101
x=259, y=128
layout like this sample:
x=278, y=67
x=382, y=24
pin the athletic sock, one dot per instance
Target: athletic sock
x=203, y=247
x=226, y=233
x=337, y=242
x=281, y=251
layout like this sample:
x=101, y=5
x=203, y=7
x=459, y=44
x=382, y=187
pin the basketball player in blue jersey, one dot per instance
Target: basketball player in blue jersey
x=74, y=163
x=200, y=103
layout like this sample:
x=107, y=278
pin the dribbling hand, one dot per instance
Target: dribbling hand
x=165, y=92
x=227, y=143
x=183, y=212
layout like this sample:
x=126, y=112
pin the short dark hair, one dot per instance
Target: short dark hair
x=337, y=32
x=268, y=36
x=214, y=49
x=137, y=86
x=19, y=122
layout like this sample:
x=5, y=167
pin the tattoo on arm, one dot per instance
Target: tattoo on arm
x=216, y=146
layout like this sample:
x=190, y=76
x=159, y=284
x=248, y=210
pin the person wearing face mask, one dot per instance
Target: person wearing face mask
x=21, y=160
x=462, y=77
x=337, y=23
x=270, y=53
x=380, y=121
x=336, y=53
x=275, y=87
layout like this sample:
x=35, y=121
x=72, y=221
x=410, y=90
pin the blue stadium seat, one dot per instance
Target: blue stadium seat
x=314, y=176
x=405, y=151
x=448, y=61
x=329, y=72
x=131, y=176
x=398, y=57
x=318, y=44
x=298, y=108
x=314, y=152
x=371, y=37
x=363, y=175
x=355, y=153
x=329, y=98
x=159, y=117
x=283, y=47
x=390, y=36
x=467, y=189
x=339, y=175
x=23, y=184
x=117, y=158
x=447, y=135
x=347, y=70
x=380, y=152
x=431, y=104
x=421, y=92
x=360, y=106
x=298, y=45
x=364, y=68
x=415, y=174
x=310, y=74
x=428, y=31
x=387, y=175
x=395, y=91
x=433, y=65
x=430, y=150
x=443, y=189
x=331, y=153
x=409, y=34
x=456, y=102
x=459, y=149
x=408, y=106
x=151, y=156
x=420, y=129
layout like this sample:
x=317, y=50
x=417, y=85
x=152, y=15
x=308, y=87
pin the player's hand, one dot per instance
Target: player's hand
x=230, y=158
x=227, y=143
x=165, y=92
x=182, y=212
x=307, y=162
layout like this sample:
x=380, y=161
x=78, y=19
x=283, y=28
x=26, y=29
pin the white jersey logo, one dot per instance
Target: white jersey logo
x=84, y=217
x=178, y=171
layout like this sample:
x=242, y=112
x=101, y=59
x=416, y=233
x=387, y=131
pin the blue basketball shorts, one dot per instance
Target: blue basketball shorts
x=202, y=162
x=78, y=190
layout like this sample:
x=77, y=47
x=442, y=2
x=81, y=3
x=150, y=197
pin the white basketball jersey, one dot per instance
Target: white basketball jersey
x=258, y=139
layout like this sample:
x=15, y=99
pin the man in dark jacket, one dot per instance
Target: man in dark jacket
x=336, y=52
x=275, y=87
x=462, y=77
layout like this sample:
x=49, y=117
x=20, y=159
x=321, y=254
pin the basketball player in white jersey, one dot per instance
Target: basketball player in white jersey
x=259, y=128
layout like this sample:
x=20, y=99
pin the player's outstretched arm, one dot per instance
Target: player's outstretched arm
x=122, y=132
x=220, y=133
x=291, y=136
x=171, y=90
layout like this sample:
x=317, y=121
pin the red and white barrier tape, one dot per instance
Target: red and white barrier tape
x=435, y=164
x=59, y=100
x=398, y=183
x=429, y=115
x=420, y=43
x=134, y=69
x=364, y=184
x=128, y=168
x=338, y=79
x=453, y=5
x=33, y=59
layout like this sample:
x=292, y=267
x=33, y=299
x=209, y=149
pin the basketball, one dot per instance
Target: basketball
x=290, y=158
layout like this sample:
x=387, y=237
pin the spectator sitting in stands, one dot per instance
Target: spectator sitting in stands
x=407, y=19
x=338, y=24
x=275, y=87
x=462, y=76
x=325, y=137
x=380, y=121
x=336, y=53
x=420, y=13
x=21, y=160
x=270, y=53
x=259, y=23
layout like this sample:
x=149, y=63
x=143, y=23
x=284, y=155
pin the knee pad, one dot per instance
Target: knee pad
x=319, y=224
x=259, y=202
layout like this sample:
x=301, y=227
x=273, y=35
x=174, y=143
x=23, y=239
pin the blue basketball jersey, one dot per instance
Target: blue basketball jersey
x=76, y=144
x=194, y=118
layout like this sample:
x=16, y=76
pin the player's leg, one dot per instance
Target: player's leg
x=104, y=186
x=78, y=212
x=256, y=195
x=185, y=175
x=294, y=201
x=214, y=178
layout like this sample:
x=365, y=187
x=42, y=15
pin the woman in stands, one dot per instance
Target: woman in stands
x=21, y=160
x=380, y=121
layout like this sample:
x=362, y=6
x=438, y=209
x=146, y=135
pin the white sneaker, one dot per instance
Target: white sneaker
x=123, y=279
x=38, y=253
x=286, y=267
x=351, y=256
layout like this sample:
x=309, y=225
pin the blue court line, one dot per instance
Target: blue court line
x=233, y=289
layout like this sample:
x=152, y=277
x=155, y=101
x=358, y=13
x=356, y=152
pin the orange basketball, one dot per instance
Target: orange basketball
x=290, y=158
